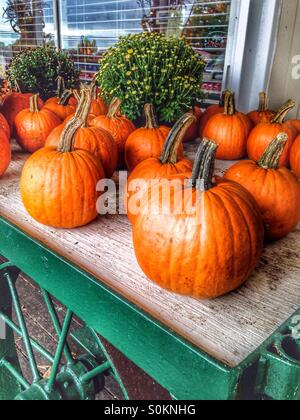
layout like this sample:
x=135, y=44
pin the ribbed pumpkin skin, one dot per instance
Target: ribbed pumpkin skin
x=153, y=169
x=5, y=152
x=277, y=192
x=14, y=103
x=96, y=141
x=5, y=126
x=210, y=112
x=143, y=144
x=262, y=136
x=62, y=111
x=33, y=128
x=120, y=128
x=207, y=259
x=230, y=132
x=296, y=124
x=295, y=157
x=59, y=189
x=98, y=107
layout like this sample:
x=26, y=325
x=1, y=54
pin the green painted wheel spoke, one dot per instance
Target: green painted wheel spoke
x=60, y=349
x=16, y=374
x=23, y=327
x=95, y=372
x=34, y=343
x=56, y=323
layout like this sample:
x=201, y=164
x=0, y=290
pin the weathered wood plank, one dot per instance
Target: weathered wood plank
x=229, y=328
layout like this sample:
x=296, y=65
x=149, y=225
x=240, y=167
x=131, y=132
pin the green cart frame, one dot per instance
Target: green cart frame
x=272, y=372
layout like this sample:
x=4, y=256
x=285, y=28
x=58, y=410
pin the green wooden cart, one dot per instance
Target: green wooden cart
x=244, y=345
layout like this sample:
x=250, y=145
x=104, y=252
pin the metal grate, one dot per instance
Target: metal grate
x=86, y=28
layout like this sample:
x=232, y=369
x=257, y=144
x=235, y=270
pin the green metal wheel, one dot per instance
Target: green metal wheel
x=70, y=377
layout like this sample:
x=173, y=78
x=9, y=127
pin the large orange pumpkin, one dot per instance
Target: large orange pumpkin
x=295, y=157
x=210, y=112
x=209, y=248
x=5, y=152
x=14, y=103
x=262, y=114
x=146, y=142
x=33, y=126
x=4, y=125
x=295, y=124
x=275, y=189
x=96, y=140
x=118, y=125
x=58, y=186
x=229, y=130
x=171, y=163
x=263, y=134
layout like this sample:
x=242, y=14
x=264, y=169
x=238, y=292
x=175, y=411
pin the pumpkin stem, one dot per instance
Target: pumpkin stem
x=61, y=87
x=175, y=138
x=84, y=106
x=271, y=157
x=114, y=108
x=204, y=166
x=262, y=102
x=65, y=97
x=18, y=88
x=282, y=113
x=76, y=94
x=151, y=120
x=229, y=103
x=34, y=107
x=93, y=88
x=222, y=99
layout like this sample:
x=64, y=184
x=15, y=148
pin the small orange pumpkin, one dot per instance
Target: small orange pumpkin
x=210, y=112
x=33, y=126
x=58, y=186
x=295, y=157
x=275, y=189
x=93, y=139
x=146, y=142
x=229, y=130
x=262, y=114
x=60, y=106
x=193, y=131
x=5, y=152
x=171, y=163
x=209, y=248
x=118, y=125
x=264, y=133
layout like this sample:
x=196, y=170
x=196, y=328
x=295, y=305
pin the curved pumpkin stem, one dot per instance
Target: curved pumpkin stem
x=282, y=113
x=262, y=102
x=114, y=108
x=93, y=89
x=229, y=103
x=271, y=157
x=61, y=87
x=151, y=120
x=34, y=107
x=222, y=99
x=204, y=166
x=175, y=138
x=65, y=97
x=66, y=142
x=18, y=88
x=76, y=94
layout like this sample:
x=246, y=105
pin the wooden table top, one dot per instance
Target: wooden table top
x=229, y=328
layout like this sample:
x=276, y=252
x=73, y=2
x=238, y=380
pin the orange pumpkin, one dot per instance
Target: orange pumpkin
x=58, y=186
x=275, y=189
x=295, y=157
x=192, y=132
x=295, y=124
x=4, y=125
x=229, y=130
x=95, y=140
x=60, y=105
x=262, y=114
x=33, y=126
x=5, y=152
x=210, y=112
x=171, y=163
x=118, y=125
x=263, y=134
x=14, y=103
x=209, y=248
x=146, y=142
x=98, y=107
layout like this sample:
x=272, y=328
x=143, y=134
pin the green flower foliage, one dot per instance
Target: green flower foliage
x=36, y=70
x=152, y=68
